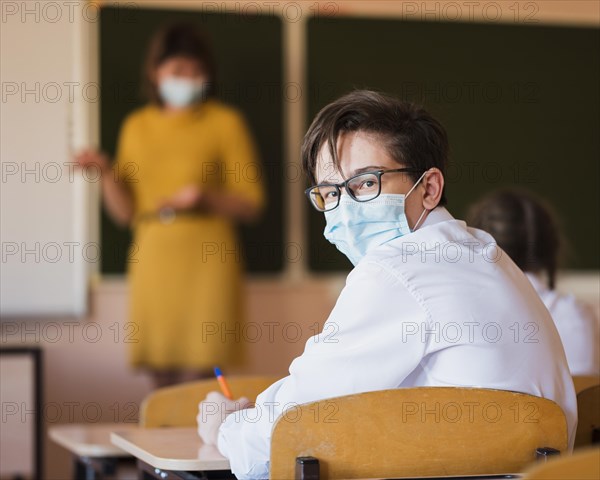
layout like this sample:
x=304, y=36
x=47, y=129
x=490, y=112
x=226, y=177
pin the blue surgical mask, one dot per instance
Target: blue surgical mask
x=181, y=92
x=356, y=227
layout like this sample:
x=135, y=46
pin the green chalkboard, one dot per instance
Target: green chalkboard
x=249, y=76
x=520, y=103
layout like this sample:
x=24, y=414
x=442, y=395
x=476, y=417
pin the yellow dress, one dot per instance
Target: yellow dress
x=185, y=275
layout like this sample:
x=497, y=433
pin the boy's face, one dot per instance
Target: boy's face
x=360, y=152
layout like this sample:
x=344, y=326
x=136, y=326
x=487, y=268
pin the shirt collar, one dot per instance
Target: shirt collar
x=438, y=227
x=437, y=215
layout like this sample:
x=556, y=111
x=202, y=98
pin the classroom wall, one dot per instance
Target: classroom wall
x=573, y=12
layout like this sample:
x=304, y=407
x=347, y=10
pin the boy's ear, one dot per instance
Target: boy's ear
x=433, y=183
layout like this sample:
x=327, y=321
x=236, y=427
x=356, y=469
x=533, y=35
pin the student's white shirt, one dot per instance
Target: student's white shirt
x=442, y=306
x=577, y=326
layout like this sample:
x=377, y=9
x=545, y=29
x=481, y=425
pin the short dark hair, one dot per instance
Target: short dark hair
x=174, y=40
x=410, y=134
x=524, y=226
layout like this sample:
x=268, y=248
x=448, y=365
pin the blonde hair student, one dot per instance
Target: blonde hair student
x=430, y=301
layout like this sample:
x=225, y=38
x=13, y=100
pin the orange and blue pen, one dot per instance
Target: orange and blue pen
x=223, y=383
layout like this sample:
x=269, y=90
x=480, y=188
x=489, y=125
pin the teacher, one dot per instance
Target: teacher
x=186, y=170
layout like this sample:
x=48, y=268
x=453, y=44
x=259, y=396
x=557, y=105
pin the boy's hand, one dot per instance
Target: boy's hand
x=212, y=412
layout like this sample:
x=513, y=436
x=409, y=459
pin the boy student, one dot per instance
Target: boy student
x=430, y=301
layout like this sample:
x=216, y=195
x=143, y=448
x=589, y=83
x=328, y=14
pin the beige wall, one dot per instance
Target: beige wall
x=573, y=12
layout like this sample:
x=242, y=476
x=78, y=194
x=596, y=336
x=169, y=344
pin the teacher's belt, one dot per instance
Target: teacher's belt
x=168, y=215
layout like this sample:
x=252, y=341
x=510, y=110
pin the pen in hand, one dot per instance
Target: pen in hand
x=223, y=384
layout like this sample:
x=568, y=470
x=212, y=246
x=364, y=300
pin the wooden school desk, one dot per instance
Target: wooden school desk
x=95, y=457
x=177, y=453
x=172, y=453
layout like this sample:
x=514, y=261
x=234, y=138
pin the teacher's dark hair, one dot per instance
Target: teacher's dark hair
x=175, y=40
x=412, y=137
x=524, y=226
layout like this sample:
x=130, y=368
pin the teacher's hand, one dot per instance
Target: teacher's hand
x=188, y=198
x=212, y=412
x=92, y=158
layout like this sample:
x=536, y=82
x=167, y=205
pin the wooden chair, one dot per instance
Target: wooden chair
x=416, y=432
x=588, y=408
x=177, y=406
x=583, y=382
x=582, y=465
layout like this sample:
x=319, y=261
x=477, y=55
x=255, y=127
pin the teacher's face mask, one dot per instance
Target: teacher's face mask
x=356, y=227
x=181, y=92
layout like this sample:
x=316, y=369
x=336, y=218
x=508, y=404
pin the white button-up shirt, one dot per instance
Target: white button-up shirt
x=441, y=306
x=577, y=326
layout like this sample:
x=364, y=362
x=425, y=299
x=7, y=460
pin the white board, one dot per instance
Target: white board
x=45, y=220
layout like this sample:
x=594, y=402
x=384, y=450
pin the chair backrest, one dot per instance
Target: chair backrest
x=177, y=406
x=582, y=465
x=582, y=382
x=415, y=432
x=588, y=413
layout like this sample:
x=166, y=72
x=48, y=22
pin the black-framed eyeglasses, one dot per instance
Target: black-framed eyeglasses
x=362, y=187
